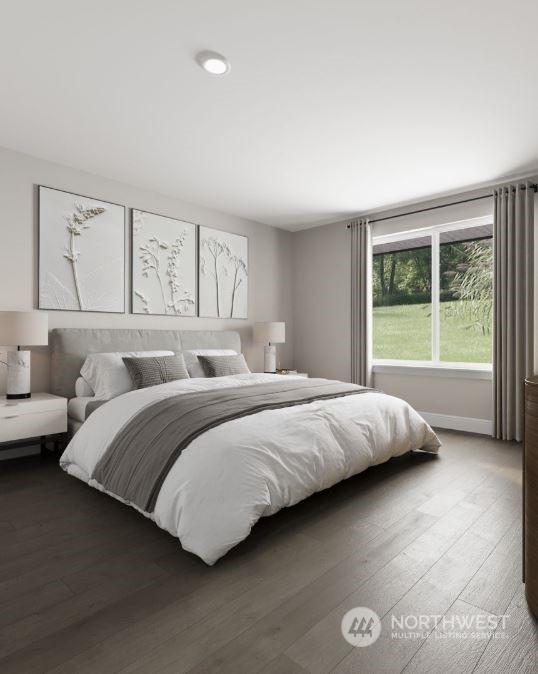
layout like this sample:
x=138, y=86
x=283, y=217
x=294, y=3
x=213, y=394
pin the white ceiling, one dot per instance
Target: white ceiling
x=332, y=107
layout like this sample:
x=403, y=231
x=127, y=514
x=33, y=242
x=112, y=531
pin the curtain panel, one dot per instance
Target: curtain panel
x=513, y=314
x=361, y=312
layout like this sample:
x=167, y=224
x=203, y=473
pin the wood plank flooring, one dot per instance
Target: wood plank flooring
x=88, y=585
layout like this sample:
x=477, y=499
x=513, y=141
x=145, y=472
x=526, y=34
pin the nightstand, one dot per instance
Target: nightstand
x=40, y=416
x=296, y=374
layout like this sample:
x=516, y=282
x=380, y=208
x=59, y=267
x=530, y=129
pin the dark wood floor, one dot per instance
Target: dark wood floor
x=88, y=585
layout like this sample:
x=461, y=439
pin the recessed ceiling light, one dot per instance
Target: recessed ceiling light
x=213, y=63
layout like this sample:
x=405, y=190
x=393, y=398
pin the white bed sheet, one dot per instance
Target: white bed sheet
x=232, y=475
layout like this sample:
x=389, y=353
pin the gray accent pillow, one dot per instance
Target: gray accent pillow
x=223, y=366
x=154, y=370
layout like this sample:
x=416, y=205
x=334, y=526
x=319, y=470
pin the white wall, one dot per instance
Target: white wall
x=322, y=281
x=302, y=278
x=269, y=257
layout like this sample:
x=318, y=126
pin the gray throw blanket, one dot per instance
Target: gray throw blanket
x=142, y=453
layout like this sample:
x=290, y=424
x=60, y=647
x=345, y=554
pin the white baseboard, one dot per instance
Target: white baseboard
x=468, y=424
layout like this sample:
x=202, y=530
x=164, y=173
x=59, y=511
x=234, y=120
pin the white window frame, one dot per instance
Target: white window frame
x=434, y=366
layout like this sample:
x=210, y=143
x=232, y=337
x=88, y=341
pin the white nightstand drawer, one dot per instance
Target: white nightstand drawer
x=19, y=426
x=37, y=404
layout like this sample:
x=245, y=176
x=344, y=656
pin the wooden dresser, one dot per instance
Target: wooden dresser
x=530, y=495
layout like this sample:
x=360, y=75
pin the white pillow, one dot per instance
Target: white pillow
x=83, y=389
x=107, y=375
x=193, y=364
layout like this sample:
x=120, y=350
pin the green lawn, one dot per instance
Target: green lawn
x=404, y=332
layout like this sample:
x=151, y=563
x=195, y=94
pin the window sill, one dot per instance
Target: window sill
x=425, y=369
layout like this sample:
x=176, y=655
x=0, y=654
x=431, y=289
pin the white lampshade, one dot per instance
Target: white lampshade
x=23, y=328
x=270, y=332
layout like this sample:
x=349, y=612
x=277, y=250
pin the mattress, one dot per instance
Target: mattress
x=76, y=408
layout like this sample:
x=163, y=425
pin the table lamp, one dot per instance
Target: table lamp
x=270, y=333
x=29, y=328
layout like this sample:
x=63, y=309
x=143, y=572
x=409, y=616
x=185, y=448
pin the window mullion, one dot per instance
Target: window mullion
x=435, y=297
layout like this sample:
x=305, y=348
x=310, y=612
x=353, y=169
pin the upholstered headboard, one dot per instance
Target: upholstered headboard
x=70, y=346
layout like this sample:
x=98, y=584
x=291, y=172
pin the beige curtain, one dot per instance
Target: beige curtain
x=513, y=321
x=361, y=322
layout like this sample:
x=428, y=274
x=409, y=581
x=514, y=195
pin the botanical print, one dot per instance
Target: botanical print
x=223, y=276
x=81, y=253
x=76, y=222
x=164, y=265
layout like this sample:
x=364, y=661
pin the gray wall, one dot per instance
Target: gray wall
x=321, y=300
x=321, y=278
x=270, y=253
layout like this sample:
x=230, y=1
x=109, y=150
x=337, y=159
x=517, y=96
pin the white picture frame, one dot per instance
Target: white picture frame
x=223, y=274
x=81, y=253
x=163, y=265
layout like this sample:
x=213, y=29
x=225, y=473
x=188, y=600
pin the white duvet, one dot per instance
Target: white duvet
x=232, y=475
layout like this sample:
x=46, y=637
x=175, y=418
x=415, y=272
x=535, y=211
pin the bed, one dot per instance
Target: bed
x=295, y=438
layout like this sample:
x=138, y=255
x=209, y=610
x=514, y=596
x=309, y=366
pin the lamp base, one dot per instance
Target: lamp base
x=18, y=375
x=269, y=359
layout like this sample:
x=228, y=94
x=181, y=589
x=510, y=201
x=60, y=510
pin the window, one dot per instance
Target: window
x=432, y=294
x=402, y=291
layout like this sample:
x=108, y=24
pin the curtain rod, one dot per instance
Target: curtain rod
x=433, y=208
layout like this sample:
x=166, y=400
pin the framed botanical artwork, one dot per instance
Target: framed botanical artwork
x=223, y=274
x=81, y=253
x=163, y=265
